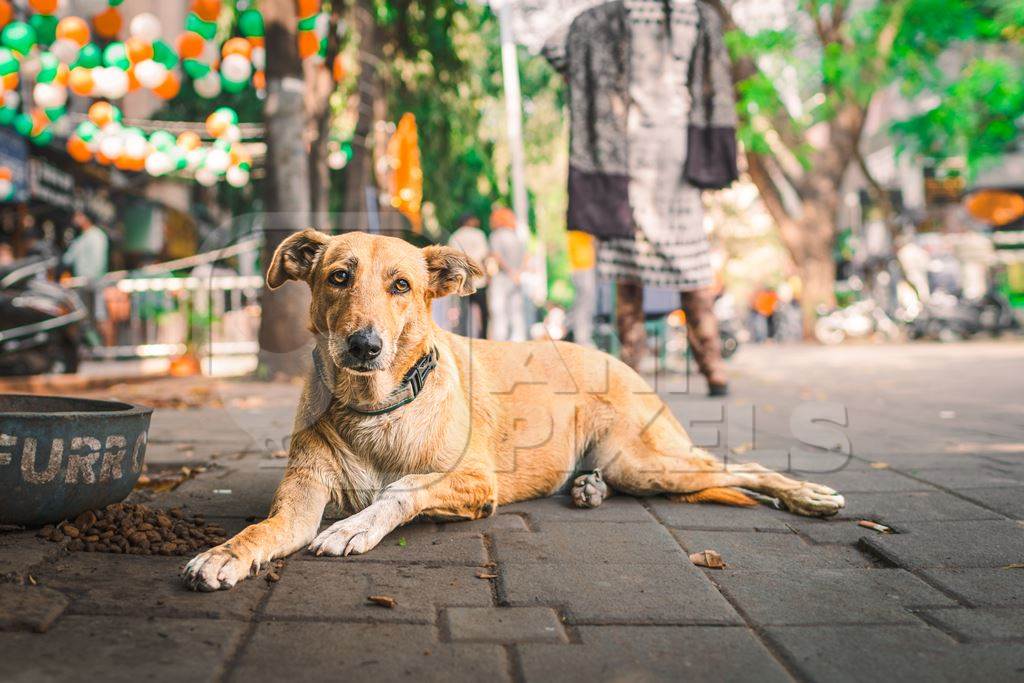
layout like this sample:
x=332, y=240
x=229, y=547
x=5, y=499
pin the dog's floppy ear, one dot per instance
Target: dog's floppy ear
x=294, y=258
x=451, y=271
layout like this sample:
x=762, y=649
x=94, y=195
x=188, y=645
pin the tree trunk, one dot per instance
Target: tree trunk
x=371, y=108
x=319, y=86
x=283, y=336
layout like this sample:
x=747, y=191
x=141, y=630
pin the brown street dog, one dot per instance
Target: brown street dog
x=400, y=419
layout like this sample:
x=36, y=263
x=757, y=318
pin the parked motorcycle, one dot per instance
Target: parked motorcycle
x=40, y=321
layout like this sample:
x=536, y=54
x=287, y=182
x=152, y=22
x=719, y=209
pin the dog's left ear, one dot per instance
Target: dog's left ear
x=451, y=271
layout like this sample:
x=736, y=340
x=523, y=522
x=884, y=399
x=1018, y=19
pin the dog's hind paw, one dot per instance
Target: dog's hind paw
x=812, y=500
x=589, y=490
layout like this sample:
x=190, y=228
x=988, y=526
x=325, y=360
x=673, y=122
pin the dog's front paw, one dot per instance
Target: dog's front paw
x=352, y=536
x=812, y=500
x=216, y=569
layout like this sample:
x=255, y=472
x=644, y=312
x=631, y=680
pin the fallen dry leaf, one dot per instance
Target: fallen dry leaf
x=486, y=575
x=874, y=526
x=1015, y=565
x=880, y=465
x=383, y=601
x=708, y=558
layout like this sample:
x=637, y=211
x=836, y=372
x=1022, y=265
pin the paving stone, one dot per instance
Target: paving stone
x=850, y=481
x=123, y=585
x=745, y=550
x=336, y=589
x=228, y=492
x=911, y=653
x=911, y=506
x=21, y=550
x=977, y=477
x=979, y=623
x=1008, y=501
x=420, y=542
x=616, y=593
x=709, y=516
x=91, y=648
x=500, y=522
x=29, y=608
x=828, y=596
x=364, y=652
x=504, y=624
x=951, y=544
x=650, y=653
x=617, y=508
x=991, y=587
x=833, y=530
x=573, y=543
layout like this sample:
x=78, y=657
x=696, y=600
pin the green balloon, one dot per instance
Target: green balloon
x=45, y=26
x=18, y=36
x=207, y=29
x=48, y=66
x=7, y=115
x=180, y=162
x=114, y=3
x=222, y=144
x=195, y=69
x=232, y=86
x=309, y=23
x=250, y=23
x=228, y=112
x=44, y=137
x=87, y=130
x=89, y=56
x=55, y=113
x=8, y=62
x=162, y=140
x=23, y=124
x=164, y=54
x=115, y=55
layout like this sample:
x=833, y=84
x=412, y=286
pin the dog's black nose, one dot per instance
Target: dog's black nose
x=365, y=344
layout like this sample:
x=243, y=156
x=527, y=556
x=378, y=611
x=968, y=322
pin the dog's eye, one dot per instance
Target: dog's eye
x=400, y=286
x=338, y=278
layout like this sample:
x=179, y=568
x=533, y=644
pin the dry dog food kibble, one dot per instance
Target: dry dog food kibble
x=135, y=530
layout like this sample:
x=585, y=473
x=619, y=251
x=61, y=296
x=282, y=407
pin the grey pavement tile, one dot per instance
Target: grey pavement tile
x=828, y=596
x=984, y=587
x=653, y=653
x=842, y=531
x=892, y=508
x=1008, y=501
x=501, y=521
x=29, y=608
x=419, y=542
x=129, y=585
x=90, y=648
x=230, y=491
x=711, y=516
x=504, y=624
x=911, y=653
x=980, y=476
x=560, y=509
x=21, y=550
x=850, y=481
x=364, y=652
x=745, y=550
x=338, y=590
x=978, y=624
x=613, y=593
x=561, y=543
x=950, y=544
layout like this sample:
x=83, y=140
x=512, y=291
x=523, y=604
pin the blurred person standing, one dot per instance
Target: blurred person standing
x=86, y=258
x=505, y=301
x=472, y=240
x=582, y=265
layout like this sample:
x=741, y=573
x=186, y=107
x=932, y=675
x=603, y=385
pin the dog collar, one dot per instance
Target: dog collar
x=408, y=389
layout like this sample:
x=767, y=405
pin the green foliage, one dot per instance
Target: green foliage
x=964, y=59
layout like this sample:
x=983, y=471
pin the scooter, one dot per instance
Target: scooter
x=40, y=321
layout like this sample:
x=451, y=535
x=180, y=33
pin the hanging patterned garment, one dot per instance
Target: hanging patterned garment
x=628, y=68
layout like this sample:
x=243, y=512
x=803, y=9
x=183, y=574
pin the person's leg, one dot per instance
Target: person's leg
x=585, y=306
x=629, y=318
x=702, y=333
x=498, y=309
x=517, y=314
x=479, y=299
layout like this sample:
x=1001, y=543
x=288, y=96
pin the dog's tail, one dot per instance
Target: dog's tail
x=724, y=495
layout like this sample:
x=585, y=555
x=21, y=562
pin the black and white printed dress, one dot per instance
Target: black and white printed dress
x=627, y=65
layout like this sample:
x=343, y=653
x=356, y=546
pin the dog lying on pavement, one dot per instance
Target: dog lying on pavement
x=400, y=419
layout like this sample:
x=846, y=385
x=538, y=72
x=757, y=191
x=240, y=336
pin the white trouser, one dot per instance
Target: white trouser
x=506, y=312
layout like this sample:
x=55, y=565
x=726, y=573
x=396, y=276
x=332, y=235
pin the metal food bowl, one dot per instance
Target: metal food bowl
x=60, y=456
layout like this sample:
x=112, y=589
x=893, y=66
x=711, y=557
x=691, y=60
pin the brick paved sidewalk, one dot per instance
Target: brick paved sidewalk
x=595, y=595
